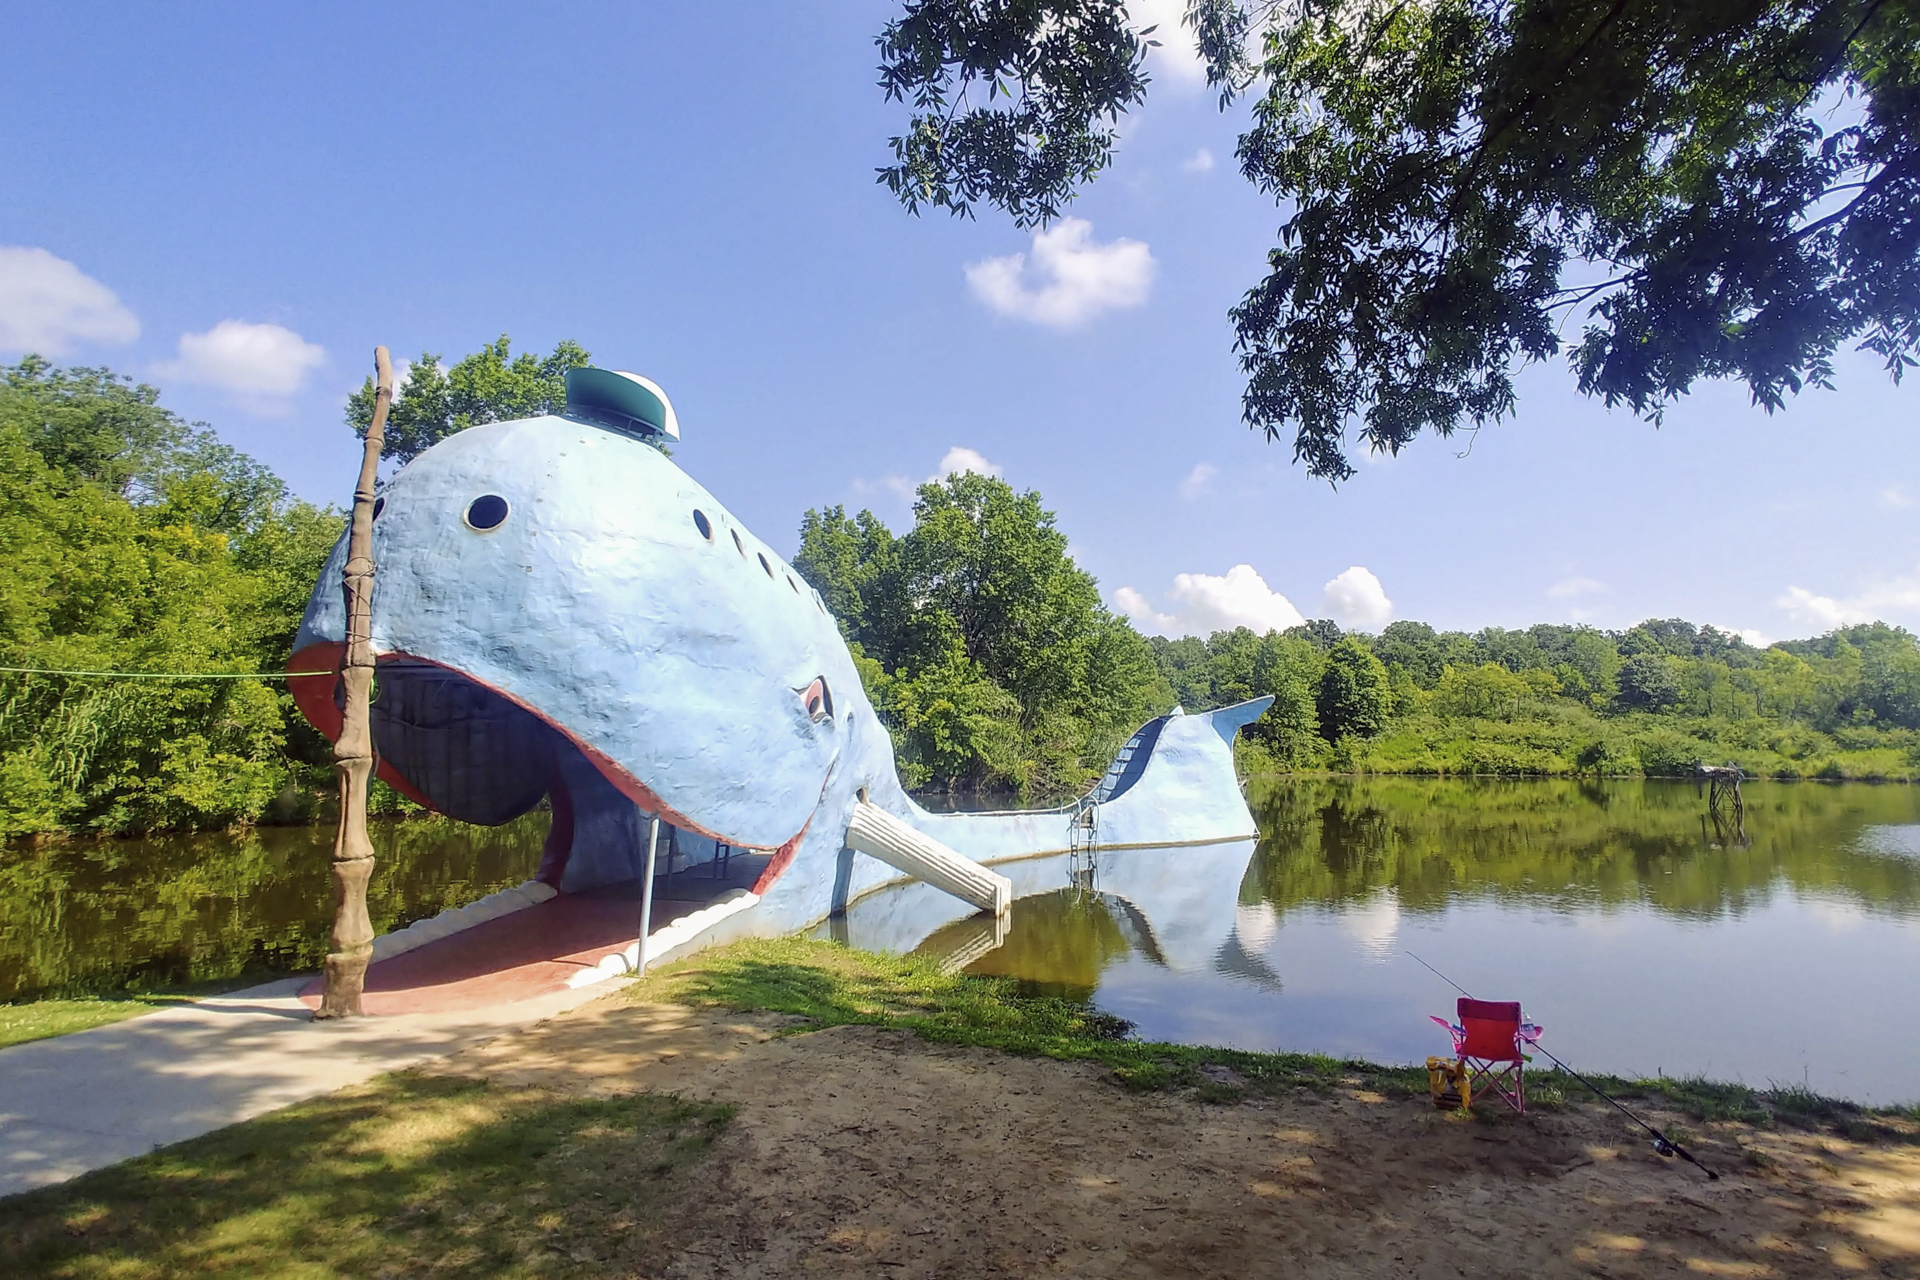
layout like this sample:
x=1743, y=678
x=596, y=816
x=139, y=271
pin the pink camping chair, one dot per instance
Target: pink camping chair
x=1490, y=1042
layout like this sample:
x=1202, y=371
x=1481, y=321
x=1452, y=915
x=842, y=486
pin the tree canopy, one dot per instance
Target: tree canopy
x=1725, y=189
x=132, y=540
x=491, y=385
x=984, y=647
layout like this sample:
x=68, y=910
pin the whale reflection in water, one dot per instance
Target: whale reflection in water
x=1175, y=907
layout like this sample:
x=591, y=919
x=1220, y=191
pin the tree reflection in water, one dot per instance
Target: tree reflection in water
x=1573, y=844
x=215, y=907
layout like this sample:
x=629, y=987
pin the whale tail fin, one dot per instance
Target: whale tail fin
x=1174, y=782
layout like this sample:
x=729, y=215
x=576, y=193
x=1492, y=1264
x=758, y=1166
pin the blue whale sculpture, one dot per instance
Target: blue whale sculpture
x=561, y=612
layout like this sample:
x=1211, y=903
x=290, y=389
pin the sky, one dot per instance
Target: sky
x=238, y=202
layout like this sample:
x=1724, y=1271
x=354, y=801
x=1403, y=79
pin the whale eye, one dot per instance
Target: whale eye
x=701, y=523
x=486, y=512
x=818, y=700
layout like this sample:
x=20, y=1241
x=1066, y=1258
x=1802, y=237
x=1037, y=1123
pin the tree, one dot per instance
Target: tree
x=1067, y=69
x=131, y=540
x=491, y=385
x=1647, y=683
x=1355, y=697
x=1463, y=179
x=985, y=648
x=854, y=563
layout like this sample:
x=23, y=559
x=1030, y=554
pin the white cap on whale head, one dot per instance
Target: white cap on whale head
x=625, y=401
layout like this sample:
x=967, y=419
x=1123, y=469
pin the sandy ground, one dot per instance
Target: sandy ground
x=865, y=1152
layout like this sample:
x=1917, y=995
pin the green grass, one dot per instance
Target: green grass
x=831, y=985
x=407, y=1175
x=38, y=1019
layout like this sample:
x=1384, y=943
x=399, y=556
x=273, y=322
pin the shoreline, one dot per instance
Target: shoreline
x=974, y=800
x=796, y=1108
x=991, y=1013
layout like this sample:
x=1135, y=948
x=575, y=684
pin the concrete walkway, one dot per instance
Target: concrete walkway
x=80, y=1101
x=91, y=1098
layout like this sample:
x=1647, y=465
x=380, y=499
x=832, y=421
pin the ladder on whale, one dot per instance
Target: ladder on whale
x=1083, y=824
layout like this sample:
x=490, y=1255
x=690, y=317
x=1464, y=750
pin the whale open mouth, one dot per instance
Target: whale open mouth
x=472, y=752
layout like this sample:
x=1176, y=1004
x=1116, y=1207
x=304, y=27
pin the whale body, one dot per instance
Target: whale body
x=560, y=612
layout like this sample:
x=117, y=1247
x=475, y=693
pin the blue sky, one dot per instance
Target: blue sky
x=237, y=202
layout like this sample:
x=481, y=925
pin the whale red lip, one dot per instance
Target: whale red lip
x=314, y=692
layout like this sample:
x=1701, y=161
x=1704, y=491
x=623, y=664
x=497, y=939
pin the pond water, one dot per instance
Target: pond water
x=212, y=908
x=1646, y=940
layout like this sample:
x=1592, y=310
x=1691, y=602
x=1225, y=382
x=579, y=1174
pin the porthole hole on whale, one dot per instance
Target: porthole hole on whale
x=474, y=755
x=488, y=511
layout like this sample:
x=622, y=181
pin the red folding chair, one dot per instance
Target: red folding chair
x=1489, y=1044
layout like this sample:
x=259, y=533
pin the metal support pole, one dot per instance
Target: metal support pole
x=646, y=894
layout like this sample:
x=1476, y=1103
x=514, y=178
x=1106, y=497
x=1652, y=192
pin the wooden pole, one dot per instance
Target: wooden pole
x=353, y=750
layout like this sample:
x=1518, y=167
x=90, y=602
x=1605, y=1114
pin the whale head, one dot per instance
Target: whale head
x=550, y=586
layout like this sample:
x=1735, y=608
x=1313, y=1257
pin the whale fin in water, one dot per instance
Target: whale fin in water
x=1130, y=764
x=1174, y=781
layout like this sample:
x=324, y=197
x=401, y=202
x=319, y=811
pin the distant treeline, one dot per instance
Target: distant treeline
x=989, y=655
x=1649, y=700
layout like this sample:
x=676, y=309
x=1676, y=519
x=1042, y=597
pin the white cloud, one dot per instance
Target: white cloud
x=1896, y=497
x=1356, y=600
x=1178, y=57
x=1573, y=588
x=1751, y=636
x=1070, y=279
x=259, y=364
x=1200, y=161
x=956, y=461
x=1137, y=607
x=961, y=459
x=1891, y=600
x=1205, y=603
x=47, y=305
x=1198, y=480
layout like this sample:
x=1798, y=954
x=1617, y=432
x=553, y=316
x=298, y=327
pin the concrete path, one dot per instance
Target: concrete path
x=80, y=1101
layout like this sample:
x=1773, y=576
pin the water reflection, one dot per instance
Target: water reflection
x=119, y=914
x=1648, y=939
x=1575, y=844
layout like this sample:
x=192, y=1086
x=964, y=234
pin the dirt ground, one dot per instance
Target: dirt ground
x=867, y=1152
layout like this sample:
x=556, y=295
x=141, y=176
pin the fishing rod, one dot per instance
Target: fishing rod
x=1661, y=1142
